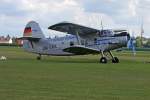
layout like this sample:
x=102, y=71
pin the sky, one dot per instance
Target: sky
x=115, y=14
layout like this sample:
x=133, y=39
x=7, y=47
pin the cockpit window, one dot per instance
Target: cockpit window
x=71, y=43
x=106, y=33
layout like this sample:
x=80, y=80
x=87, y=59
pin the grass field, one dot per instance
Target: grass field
x=22, y=77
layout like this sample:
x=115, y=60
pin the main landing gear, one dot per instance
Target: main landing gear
x=39, y=57
x=103, y=59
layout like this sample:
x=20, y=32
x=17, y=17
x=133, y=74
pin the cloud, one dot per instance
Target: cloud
x=14, y=14
x=132, y=7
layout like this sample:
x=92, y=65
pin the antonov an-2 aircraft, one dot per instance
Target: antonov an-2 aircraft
x=79, y=40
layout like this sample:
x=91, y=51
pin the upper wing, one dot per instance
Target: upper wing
x=71, y=28
x=81, y=50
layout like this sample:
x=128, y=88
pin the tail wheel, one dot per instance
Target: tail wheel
x=103, y=60
x=115, y=60
x=38, y=57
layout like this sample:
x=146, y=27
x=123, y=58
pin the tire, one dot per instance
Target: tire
x=38, y=58
x=103, y=60
x=115, y=60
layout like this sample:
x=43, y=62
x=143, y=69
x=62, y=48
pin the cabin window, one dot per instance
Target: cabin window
x=45, y=48
x=86, y=43
x=82, y=42
x=95, y=40
x=62, y=42
x=71, y=43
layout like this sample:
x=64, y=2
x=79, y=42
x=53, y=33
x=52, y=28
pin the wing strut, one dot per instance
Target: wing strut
x=78, y=38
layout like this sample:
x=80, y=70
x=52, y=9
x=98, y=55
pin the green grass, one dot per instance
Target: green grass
x=22, y=77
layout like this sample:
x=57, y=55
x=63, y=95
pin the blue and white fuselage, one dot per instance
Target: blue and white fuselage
x=56, y=46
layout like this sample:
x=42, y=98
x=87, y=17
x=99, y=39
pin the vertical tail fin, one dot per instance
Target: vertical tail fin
x=32, y=34
x=33, y=30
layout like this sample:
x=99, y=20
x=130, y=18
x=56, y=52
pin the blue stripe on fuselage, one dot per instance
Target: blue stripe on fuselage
x=105, y=41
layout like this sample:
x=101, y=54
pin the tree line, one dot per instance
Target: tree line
x=142, y=42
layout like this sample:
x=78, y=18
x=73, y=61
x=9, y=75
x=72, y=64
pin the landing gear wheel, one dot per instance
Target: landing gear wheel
x=115, y=60
x=103, y=60
x=38, y=57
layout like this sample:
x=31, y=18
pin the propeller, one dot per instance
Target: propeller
x=131, y=44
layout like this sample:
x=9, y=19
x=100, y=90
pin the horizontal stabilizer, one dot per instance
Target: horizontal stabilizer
x=81, y=50
x=29, y=38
